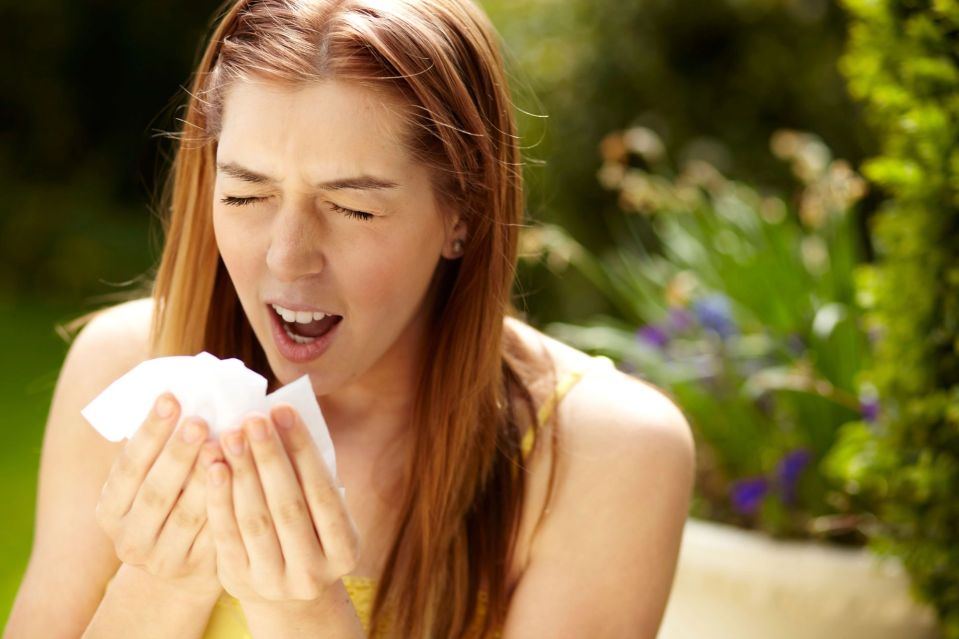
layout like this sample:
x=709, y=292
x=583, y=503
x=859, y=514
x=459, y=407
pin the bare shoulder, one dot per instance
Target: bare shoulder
x=607, y=402
x=126, y=324
x=114, y=341
x=610, y=408
x=625, y=469
x=71, y=558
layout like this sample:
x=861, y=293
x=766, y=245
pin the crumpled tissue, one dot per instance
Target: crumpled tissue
x=221, y=391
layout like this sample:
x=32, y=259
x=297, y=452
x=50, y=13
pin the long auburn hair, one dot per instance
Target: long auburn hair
x=460, y=512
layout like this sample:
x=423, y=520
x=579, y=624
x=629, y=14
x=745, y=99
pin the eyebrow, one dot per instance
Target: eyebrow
x=359, y=182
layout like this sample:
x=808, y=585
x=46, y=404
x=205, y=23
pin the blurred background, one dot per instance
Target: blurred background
x=693, y=190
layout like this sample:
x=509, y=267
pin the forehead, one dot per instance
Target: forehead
x=329, y=123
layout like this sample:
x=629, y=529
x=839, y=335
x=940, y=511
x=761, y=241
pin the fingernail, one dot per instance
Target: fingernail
x=283, y=417
x=257, y=429
x=164, y=407
x=191, y=432
x=234, y=442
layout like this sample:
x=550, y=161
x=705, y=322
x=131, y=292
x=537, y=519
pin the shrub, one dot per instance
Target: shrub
x=901, y=61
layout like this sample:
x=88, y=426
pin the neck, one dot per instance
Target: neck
x=370, y=425
x=377, y=408
x=373, y=413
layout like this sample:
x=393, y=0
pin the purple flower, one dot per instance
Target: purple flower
x=747, y=494
x=789, y=469
x=654, y=335
x=679, y=319
x=869, y=407
x=714, y=312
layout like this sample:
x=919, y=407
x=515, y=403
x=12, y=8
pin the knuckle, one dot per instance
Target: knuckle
x=125, y=466
x=238, y=471
x=156, y=430
x=156, y=566
x=270, y=587
x=326, y=499
x=271, y=594
x=267, y=455
x=342, y=564
x=298, y=441
x=186, y=519
x=182, y=453
x=307, y=591
x=197, y=476
x=321, y=578
x=256, y=524
x=151, y=498
x=291, y=511
x=164, y=567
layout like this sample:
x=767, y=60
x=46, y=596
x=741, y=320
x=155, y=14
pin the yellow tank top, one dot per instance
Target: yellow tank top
x=227, y=620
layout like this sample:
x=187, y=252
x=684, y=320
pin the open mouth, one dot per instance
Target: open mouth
x=306, y=332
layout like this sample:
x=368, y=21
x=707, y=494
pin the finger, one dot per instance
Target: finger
x=339, y=538
x=161, y=487
x=284, y=497
x=188, y=515
x=135, y=460
x=202, y=543
x=221, y=520
x=249, y=504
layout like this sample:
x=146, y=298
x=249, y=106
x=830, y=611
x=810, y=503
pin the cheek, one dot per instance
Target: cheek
x=396, y=274
x=237, y=246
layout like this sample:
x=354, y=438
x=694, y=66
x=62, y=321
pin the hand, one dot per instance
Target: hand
x=156, y=523
x=280, y=526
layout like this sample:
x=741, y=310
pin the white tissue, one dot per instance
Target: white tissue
x=222, y=392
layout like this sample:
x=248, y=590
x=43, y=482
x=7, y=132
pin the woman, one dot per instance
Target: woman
x=344, y=203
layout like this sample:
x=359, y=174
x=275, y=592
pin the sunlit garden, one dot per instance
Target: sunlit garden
x=752, y=204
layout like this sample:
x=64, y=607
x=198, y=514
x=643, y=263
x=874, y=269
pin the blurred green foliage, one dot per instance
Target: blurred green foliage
x=28, y=338
x=712, y=78
x=903, y=63
x=742, y=308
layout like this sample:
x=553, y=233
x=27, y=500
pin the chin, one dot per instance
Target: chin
x=287, y=372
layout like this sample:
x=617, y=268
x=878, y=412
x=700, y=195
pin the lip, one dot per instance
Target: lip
x=293, y=351
x=293, y=306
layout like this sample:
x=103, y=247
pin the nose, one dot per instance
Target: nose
x=294, y=250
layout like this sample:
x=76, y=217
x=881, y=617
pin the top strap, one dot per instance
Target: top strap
x=565, y=384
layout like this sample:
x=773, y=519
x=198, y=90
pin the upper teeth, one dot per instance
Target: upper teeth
x=303, y=317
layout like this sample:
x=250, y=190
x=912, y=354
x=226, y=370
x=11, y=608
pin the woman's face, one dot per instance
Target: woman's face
x=318, y=207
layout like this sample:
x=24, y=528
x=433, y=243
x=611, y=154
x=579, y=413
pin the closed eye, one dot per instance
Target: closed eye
x=238, y=201
x=231, y=200
x=360, y=215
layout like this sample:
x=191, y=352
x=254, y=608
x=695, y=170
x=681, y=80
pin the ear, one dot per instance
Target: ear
x=456, y=229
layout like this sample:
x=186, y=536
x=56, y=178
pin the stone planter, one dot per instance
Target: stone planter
x=737, y=584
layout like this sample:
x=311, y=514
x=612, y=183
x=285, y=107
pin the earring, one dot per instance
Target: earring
x=457, y=246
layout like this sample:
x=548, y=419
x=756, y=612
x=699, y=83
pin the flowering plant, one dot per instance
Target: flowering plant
x=742, y=307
